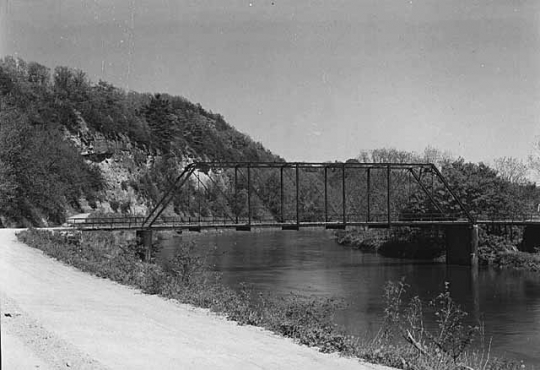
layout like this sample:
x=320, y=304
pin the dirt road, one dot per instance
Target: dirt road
x=56, y=317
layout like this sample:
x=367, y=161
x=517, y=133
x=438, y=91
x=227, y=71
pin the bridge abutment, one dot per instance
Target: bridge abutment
x=144, y=239
x=462, y=245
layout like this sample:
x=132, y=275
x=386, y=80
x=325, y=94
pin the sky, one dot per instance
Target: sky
x=313, y=80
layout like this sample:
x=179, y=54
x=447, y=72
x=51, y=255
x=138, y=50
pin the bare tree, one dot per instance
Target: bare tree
x=533, y=161
x=512, y=170
x=387, y=155
x=436, y=156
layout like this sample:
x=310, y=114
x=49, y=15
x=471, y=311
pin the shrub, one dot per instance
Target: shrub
x=125, y=207
x=404, y=340
x=114, y=205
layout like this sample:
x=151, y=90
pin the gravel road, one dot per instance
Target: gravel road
x=56, y=317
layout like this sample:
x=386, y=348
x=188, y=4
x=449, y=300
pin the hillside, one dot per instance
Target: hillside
x=70, y=145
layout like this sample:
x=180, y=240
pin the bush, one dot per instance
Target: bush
x=367, y=240
x=125, y=207
x=500, y=252
x=114, y=205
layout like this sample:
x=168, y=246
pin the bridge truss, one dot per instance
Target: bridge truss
x=292, y=195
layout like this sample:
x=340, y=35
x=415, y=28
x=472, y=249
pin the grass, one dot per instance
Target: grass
x=402, y=342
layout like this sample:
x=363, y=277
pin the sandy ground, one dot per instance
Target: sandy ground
x=56, y=317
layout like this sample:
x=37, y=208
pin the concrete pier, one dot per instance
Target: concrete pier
x=144, y=238
x=462, y=245
x=531, y=238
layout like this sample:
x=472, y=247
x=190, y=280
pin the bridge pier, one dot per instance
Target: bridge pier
x=462, y=245
x=531, y=238
x=144, y=239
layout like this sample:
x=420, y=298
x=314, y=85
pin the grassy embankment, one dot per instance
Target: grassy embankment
x=500, y=251
x=402, y=342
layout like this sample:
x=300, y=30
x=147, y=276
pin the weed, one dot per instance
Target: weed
x=404, y=341
x=187, y=263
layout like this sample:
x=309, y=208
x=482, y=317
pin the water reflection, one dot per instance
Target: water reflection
x=311, y=263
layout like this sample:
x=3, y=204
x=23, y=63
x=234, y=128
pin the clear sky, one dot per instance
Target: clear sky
x=312, y=79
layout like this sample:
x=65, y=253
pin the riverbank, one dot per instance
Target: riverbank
x=496, y=251
x=67, y=318
x=500, y=252
x=399, y=243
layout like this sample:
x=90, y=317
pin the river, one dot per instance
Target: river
x=309, y=262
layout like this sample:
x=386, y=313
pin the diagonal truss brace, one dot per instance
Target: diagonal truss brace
x=454, y=196
x=168, y=195
x=425, y=190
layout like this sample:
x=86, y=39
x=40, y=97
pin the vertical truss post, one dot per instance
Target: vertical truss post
x=432, y=184
x=325, y=194
x=199, y=194
x=343, y=195
x=388, y=194
x=281, y=195
x=189, y=201
x=249, y=193
x=297, y=195
x=368, y=194
x=432, y=188
x=236, y=207
x=409, y=187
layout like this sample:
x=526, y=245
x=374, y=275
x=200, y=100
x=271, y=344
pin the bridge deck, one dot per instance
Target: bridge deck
x=136, y=223
x=130, y=225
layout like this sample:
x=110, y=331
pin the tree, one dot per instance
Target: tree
x=483, y=191
x=41, y=174
x=387, y=155
x=512, y=170
x=436, y=156
x=8, y=186
x=162, y=122
x=38, y=74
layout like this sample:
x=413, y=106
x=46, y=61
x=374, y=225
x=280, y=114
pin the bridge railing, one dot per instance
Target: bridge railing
x=431, y=216
x=509, y=218
x=214, y=221
x=106, y=222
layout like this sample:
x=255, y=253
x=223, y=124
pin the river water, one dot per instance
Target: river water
x=309, y=262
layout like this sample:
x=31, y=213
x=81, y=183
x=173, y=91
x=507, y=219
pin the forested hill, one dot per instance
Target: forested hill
x=68, y=144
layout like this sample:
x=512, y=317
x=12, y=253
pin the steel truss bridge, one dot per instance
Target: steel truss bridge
x=292, y=195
